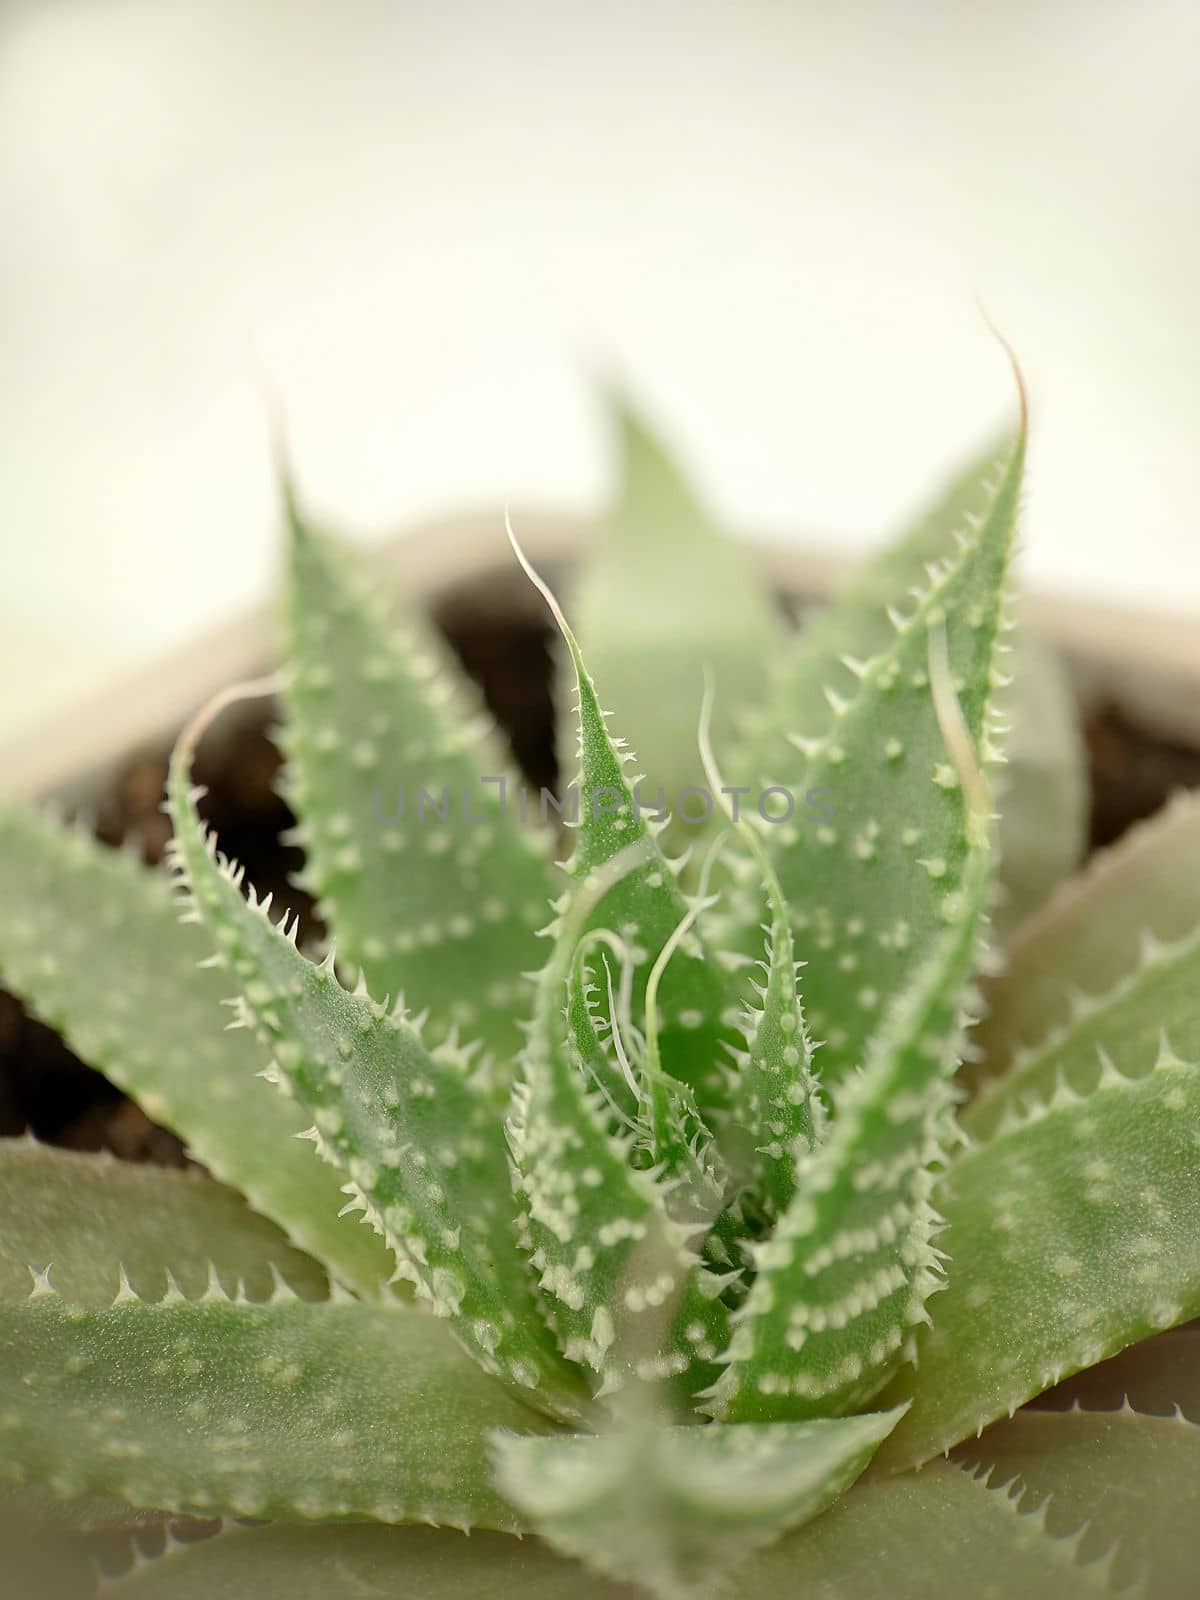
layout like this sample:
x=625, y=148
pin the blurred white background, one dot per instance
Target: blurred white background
x=428, y=225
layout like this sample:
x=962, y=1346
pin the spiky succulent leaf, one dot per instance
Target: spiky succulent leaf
x=414, y=1135
x=1124, y=1028
x=1092, y=933
x=92, y=941
x=1124, y=1483
x=288, y=1563
x=1042, y=790
x=775, y=1109
x=856, y=622
x=422, y=869
x=663, y=593
x=674, y=1509
x=91, y=1217
x=938, y=1532
x=1070, y=1235
x=644, y=906
x=842, y=1282
x=287, y=1410
x=625, y=1289
x=932, y=1533
x=871, y=886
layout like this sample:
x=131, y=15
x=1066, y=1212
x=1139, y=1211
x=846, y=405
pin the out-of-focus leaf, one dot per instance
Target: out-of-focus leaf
x=1152, y=1008
x=663, y=595
x=677, y=1508
x=930, y=1535
x=1092, y=932
x=421, y=868
x=288, y=1410
x=90, y=1216
x=1070, y=1235
x=282, y=1563
x=414, y=1135
x=92, y=942
x=937, y=1533
x=1125, y=1483
x=1042, y=790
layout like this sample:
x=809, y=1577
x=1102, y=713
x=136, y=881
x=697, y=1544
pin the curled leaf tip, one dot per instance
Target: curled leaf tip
x=540, y=584
x=1018, y=374
x=195, y=729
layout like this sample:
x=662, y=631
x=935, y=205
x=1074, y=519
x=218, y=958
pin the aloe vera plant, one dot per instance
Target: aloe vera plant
x=682, y=1250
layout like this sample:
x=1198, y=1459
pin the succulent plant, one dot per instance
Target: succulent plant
x=700, y=1229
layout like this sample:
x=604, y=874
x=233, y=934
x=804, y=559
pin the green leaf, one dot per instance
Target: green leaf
x=930, y=1534
x=644, y=905
x=1091, y=934
x=856, y=623
x=1125, y=1483
x=282, y=1563
x=419, y=894
x=924, y=1536
x=1071, y=1235
x=872, y=884
x=674, y=1509
x=618, y=1266
x=91, y=1217
x=843, y=1281
x=1153, y=1006
x=287, y=1410
x=663, y=593
x=414, y=1135
x=1042, y=790
x=92, y=942
x=775, y=1109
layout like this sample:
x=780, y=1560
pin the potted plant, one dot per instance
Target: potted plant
x=680, y=1254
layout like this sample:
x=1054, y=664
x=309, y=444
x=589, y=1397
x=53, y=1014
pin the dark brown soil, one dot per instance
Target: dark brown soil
x=1132, y=773
x=46, y=1088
